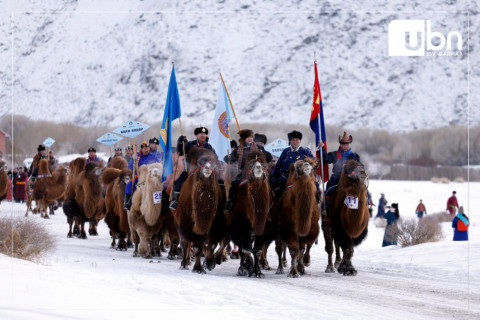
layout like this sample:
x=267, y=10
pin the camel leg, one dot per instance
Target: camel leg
x=263, y=259
x=129, y=240
x=70, y=224
x=338, y=256
x=92, y=229
x=301, y=255
x=220, y=255
x=198, y=251
x=349, y=270
x=122, y=244
x=306, y=257
x=284, y=255
x=257, y=254
x=185, y=255
x=279, y=251
x=83, y=234
x=246, y=261
x=143, y=249
x=294, y=253
x=136, y=240
x=327, y=234
x=76, y=228
x=209, y=261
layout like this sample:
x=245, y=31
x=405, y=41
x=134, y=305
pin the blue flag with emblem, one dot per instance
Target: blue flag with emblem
x=220, y=136
x=172, y=112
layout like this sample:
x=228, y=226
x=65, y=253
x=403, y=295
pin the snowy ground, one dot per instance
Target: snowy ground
x=85, y=279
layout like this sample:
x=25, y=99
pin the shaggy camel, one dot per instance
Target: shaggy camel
x=252, y=213
x=199, y=218
x=115, y=179
x=144, y=215
x=299, y=214
x=348, y=216
x=70, y=206
x=88, y=204
x=48, y=187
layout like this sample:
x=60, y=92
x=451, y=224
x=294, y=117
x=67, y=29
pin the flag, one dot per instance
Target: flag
x=220, y=136
x=172, y=112
x=317, y=114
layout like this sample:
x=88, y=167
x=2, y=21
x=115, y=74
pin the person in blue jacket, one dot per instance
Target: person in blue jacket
x=391, y=233
x=143, y=157
x=154, y=142
x=289, y=155
x=460, y=223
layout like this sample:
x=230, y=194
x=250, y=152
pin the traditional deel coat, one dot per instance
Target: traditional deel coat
x=457, y=234
x=142, y=160
x=288, y=157
x=390, y=236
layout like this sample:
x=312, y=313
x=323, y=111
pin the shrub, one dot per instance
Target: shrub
x=444, y=180
x=459, y=179
x=440, y=217
x=412, y=232
x=435, y=179
x=30, y=239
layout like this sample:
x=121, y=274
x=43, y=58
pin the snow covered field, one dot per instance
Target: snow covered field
x=86, y=279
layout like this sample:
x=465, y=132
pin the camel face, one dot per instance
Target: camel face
x=307, y=168
x=155, y=172
x=258, y=171
x=127, y=179
x=207, y=170
x=98, y=172
x=356, y=173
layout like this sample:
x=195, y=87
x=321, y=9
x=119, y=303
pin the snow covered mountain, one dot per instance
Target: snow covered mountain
x=102, y=63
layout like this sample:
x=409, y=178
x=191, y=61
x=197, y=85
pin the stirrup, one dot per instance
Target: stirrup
x=173, y=205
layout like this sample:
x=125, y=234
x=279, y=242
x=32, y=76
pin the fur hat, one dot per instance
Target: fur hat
x=92, y=149
x=129, y=147
x=454, y=192
x=294, y=135
x=260, y=138
x=345, y=139
x=144, y=144
x=233, y=144
x=40, y=148
x=154, y=140
x=200, y=130
x=245, y=133
x=395, y=205
x=118, y=149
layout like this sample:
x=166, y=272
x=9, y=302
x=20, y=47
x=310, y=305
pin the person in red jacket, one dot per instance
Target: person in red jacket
x=452, y=204
x=421, y=210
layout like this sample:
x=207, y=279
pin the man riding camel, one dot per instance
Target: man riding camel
x=338, y=158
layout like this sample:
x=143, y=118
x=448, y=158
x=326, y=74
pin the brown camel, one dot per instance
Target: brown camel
x=48, y=187
x=299, y=214
x=199, y=218
x=115, y=179
x=144, y=215
x=253, y=205
x=70, y=206
x=348, y=216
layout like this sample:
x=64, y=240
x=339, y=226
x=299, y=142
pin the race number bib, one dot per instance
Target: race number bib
x=157, y=197
x=351, y=202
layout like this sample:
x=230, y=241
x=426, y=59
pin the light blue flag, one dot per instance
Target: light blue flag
x=220, y=135
x=172, y=112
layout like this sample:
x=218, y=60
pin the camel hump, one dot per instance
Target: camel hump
x=110, y=174
x=257, y=155
x=43, y=167
x=119, y=163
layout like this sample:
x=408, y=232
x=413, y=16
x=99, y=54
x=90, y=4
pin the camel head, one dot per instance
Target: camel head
x=303, y=168
x=207, y=166
x=354, y=170
x=256, y=170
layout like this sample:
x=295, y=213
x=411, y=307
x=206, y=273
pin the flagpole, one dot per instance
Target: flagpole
x=321, y=149
x=234, y=114
x=134, y=163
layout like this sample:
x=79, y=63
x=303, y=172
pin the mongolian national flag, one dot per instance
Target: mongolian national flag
x=220, y=136
x=315, y=118
x=172, y=112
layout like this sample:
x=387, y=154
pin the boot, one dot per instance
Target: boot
x=174, y=201
x=127, y=204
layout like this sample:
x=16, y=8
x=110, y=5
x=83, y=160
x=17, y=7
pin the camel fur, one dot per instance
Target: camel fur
x=144, y=215
x=347, y=227
x=199, y=217
x=48, y=187
x=299, y=215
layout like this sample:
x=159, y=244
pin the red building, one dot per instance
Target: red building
x=3, y=136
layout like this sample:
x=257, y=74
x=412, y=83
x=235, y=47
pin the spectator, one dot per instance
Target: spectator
x=382, y=202
x=421, y=210
x=460, y=224
x=391, y=231
x=452, y=203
